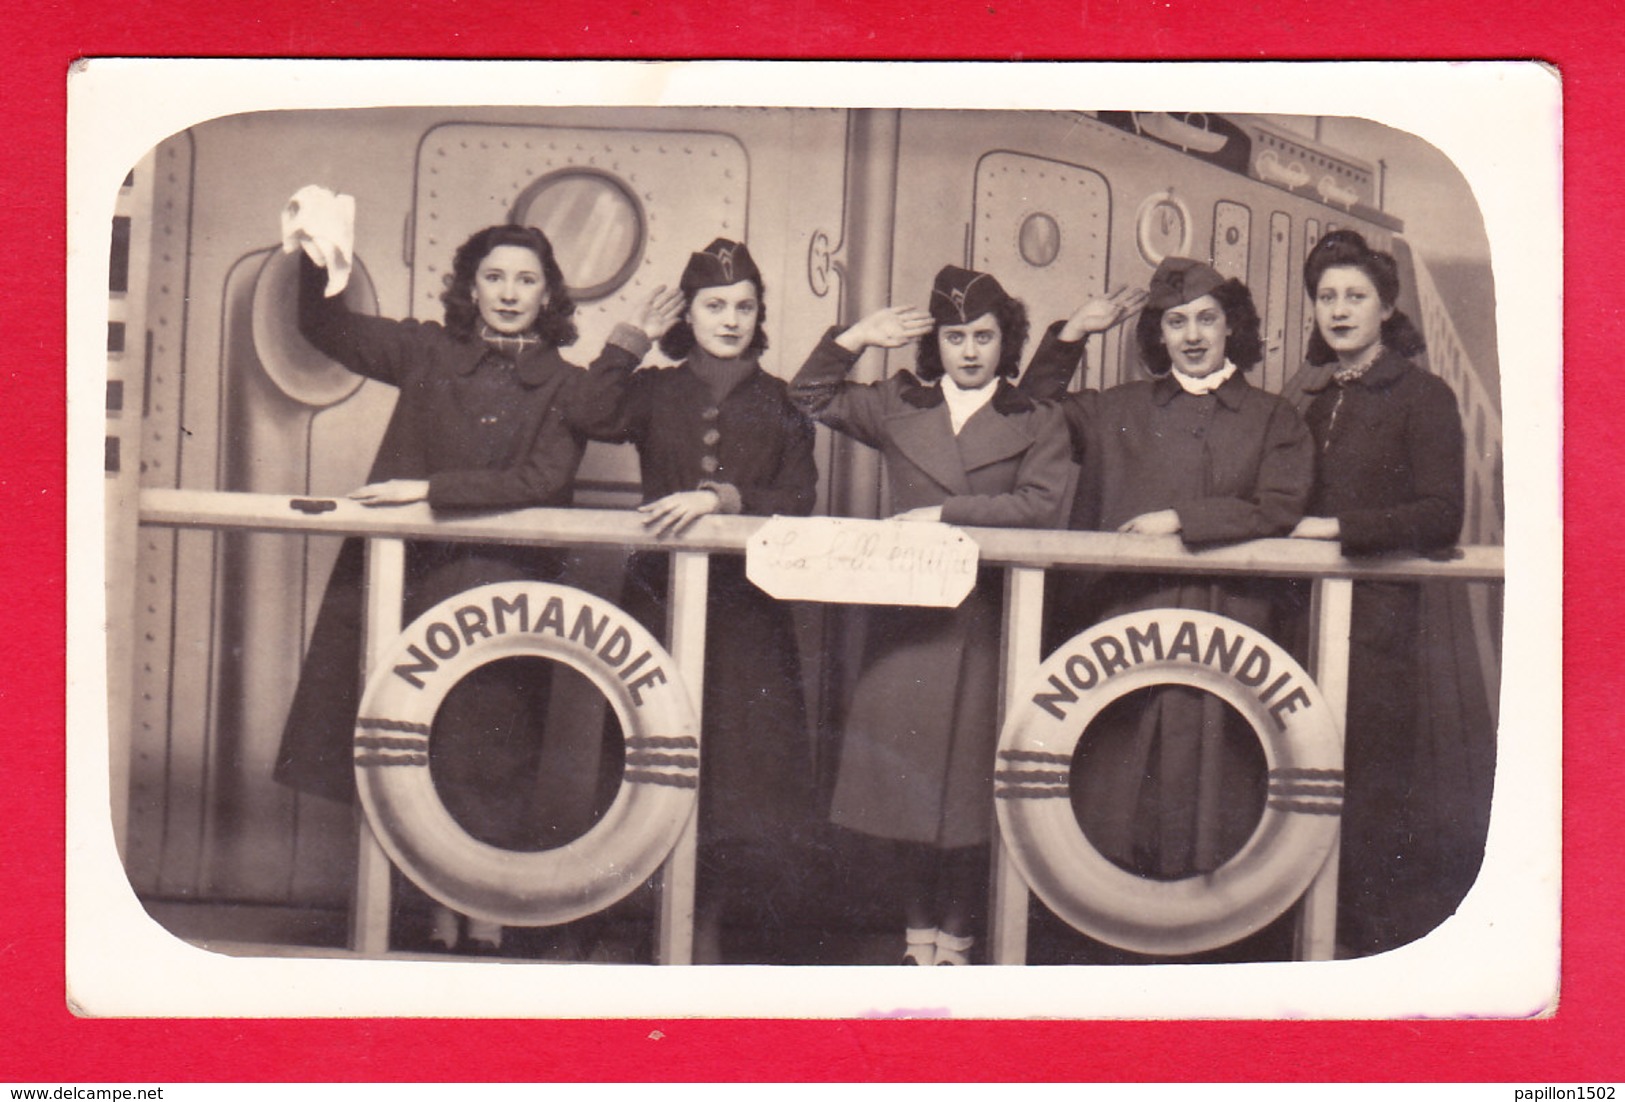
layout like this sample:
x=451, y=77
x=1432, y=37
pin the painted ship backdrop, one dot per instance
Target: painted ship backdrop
x=209, y=390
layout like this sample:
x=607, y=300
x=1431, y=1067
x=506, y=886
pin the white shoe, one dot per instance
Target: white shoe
x=952, y=949
x=443, y=928
x=484, y=936
x=922, y=946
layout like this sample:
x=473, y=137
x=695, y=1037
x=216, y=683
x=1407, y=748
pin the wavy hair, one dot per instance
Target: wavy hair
x=1244, y=347
x=1011, y=315
x=678, y=341
x=1348, y=249
x=554, y=324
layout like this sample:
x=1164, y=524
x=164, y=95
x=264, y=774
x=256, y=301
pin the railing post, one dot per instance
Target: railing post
x=685, y=630
x=385, y=587
x=1330, y=614
x=1021, y=648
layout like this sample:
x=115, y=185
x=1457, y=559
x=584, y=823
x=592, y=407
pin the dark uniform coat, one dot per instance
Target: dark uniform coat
x=918, y=751
x=756, y=757
x=1391, y=470
x=1170, y=787
x=487, y=431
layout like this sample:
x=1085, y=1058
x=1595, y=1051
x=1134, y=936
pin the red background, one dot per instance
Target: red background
x=41, y=1042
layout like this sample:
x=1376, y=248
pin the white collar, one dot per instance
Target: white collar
x=1207, y=384
x=962, y=403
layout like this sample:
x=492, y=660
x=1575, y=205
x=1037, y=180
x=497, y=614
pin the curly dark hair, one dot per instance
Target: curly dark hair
x=1348, y=249
x=678, y=341
x=1011, y=314
x=1244, y=347
x=554, y=324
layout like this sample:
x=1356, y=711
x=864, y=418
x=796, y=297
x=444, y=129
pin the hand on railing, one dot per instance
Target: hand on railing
x=397, y=491
x=1163, y=522
x=1318, y=528
x=674, y=513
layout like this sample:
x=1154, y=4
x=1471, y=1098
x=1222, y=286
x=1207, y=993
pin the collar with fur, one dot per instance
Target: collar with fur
x=1007, y=399
x=1387, y=370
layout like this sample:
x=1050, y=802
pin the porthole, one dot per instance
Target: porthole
x=1039, y=239
x=1163, y=228
x=595, y=224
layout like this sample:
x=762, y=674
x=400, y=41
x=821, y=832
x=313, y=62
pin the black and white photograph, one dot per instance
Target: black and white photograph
x=814, y=540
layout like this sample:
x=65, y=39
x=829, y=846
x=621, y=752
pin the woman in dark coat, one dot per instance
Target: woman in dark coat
x=1390, y=478
x=717, y=434
x=1170, y=785
x=961, y=447
x=479, y=424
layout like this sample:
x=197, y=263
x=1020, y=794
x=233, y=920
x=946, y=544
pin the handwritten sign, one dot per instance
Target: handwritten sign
x=862, y=562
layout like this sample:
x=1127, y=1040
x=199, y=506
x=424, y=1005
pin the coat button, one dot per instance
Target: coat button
x=710, y=413
x=710, y=438
x=708, y=464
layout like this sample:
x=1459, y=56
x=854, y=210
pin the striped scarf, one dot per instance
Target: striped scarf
x=510, y=346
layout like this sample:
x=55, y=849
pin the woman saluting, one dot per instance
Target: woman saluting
x=961, y=447
x=1172, y=787
x=717, y=434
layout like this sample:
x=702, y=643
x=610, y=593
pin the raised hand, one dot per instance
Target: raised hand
x=659, y=312
x=323, y=224
x=892, y=327
x=1100, y=314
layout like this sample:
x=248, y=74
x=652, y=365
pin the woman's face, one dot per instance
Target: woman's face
x=724, y=318
x=1195, y=334
x=970, y=353
x=1349, y=311
x=510, y=289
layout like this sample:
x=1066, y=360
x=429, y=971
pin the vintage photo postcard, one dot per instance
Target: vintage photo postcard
x=710, y=539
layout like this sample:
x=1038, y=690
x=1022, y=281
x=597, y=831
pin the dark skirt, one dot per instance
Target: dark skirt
x=316, y=754
x=1168, y=782
x=756, y=772
x=1420, y=762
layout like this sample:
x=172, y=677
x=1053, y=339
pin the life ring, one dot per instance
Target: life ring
x=1303, y=748
x=626, y=663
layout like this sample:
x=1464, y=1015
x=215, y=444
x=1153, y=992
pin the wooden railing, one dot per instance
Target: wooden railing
x=1023, y=554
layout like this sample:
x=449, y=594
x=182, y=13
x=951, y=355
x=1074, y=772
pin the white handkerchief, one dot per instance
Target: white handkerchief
x=323, y=224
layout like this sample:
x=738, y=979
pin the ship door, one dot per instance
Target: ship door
x=1045, y=228
x=623, y=210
